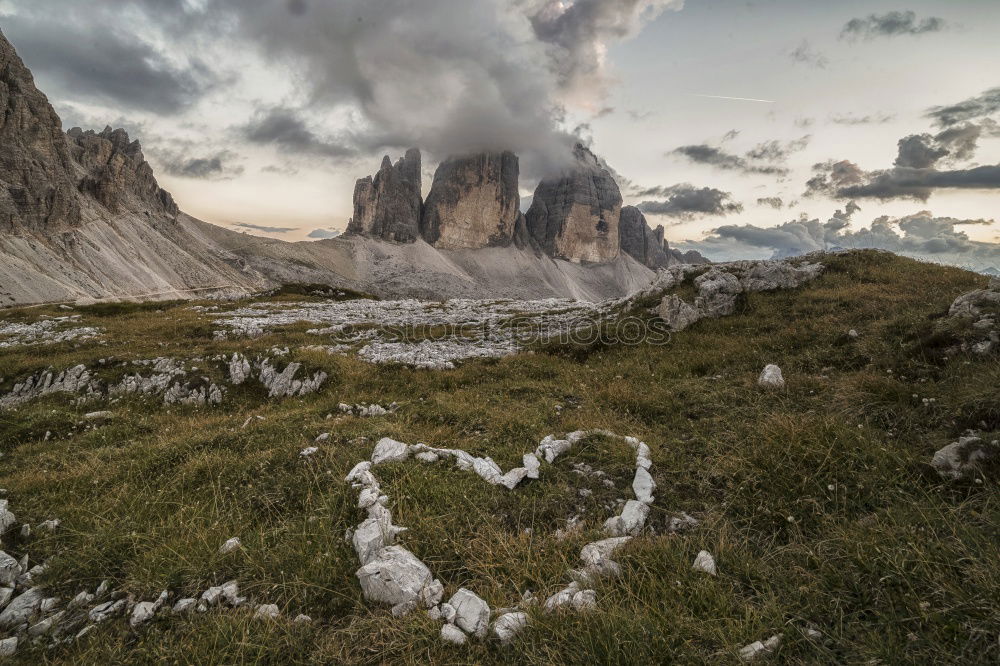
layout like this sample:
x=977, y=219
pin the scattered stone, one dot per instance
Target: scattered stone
x=771, y=378
x=472, y=613
x=97, y=416
x=9, y=570
x=50, y=525
x=394, y=576
x=705, y=562
x=301, y=618
x=759, y=649
x=106, y=611
x=452, y=634
x=631, y=520
x=145, y=611
x=7, y=518
x=507, y=626
x=961, y=459
x=184, y=606
x=428, y=457
x=267, y=612
x=325, y=437
x=643, y=486
x=389, y=450
x=8, y=647
x=309, y=451
x=231, y=546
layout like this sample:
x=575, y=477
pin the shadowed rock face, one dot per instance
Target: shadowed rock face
x=389, y=205
x=37, y=189
x=576, y=215
x=644, y=244
x=474, y=202
x=117, y=174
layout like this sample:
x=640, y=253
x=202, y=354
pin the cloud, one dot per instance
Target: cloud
x=773, y=202
x=845, y=180
x=687, y=201
x=324, y=234
x=761, y=159
x=804, y=54
x=107, y=62
x=213, y=167
x=287, y=130
x=577, y=34
x=974, y=108
x=891, y=24
x=921, y=235
x=870, y=119
x=266, y=230
x=922, y=151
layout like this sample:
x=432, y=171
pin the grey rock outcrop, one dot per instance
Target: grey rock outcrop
x=644, y=244
x=474, y=202
x=962, y=459
x=117, y=174
x=389, y=204
x=37, y=189
x=576, y=214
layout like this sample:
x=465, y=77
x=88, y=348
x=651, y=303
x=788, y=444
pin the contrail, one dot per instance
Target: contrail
x=739, y=99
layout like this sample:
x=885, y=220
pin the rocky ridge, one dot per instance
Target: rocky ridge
x=389, y=205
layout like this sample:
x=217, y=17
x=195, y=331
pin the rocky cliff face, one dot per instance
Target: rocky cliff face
x=37, y=188
x=644, y=244
x=474, y=202
x=116, y=173
x=576, y=215
x=389, y=205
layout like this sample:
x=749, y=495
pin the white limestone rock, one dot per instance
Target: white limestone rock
x=184, y=606
x=231, y=546
x=394, y=576
x=389, y=450
x=22, y=608
x=106, y=611
x=677, y=314
x=9, y=569
x=532, y=464
x=961, y=459
x=758, y=649
x=144, y=611
x=705, y=562
x=7, y=518
x=472, y=614
x=631, y=520
x=267, y=612
x=8, y=647
x=511, y=479
x=771, y=378
x=508, y=625
x=643, y=486
x=452, y=634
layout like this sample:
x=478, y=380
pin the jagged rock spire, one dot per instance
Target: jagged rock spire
x=389, y=205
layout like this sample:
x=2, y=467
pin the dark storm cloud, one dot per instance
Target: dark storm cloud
x=109, y=65
x=847, y=181
x=687, y=201
x=919, y=151
x=981, y=106
x=286, y=129
x=773, y=202
x=761, y=159
x=266, y=230
x=891, y=24
x=213, y=167
x=921, y=235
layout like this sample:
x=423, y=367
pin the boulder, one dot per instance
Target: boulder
x=472, y=614
x=473, y=203
x=705, y=562
x=961, y=459
x=771, y=378
x=677, y=314
x=395, y=576
x=22, y=608
x=507, y=626
x=389, y=450
x=389, y=205
x=576, y=214
x=452, y=634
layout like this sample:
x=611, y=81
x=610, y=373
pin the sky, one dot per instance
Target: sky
x=748, y=128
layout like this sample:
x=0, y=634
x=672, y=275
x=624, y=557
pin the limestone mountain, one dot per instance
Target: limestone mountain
x=575, y=215
x=474, y=202
x=647, y=245
x=388, y=205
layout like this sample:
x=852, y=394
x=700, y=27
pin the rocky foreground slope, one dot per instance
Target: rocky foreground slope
x=83, y=218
